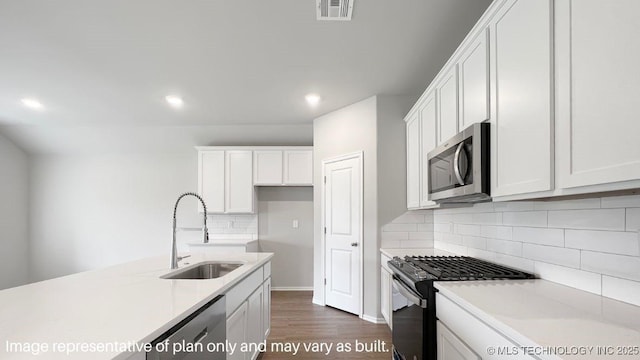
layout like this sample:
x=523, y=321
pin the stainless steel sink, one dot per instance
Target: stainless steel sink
x=205, y=270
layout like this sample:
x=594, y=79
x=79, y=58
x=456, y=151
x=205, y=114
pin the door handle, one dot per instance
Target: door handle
x=456, y=163
x=354, y=244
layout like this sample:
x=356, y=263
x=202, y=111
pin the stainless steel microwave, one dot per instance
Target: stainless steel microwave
x=459, y=168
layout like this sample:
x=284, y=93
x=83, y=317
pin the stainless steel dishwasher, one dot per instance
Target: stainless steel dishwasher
x=201, y=335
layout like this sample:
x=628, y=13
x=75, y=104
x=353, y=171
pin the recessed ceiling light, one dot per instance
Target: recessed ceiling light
x=174, y=101
x=32, y=103
x=313, y=99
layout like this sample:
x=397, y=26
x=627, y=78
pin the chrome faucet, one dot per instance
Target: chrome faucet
x=174, y=250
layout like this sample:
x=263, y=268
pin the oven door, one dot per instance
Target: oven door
x=409, y=316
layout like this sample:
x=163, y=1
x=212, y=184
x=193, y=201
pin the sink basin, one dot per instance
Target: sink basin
x=205, y=270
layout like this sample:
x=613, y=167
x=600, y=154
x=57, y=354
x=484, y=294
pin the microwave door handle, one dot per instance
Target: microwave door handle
x=456, y=163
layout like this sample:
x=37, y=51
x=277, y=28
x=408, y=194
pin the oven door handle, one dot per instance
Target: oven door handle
x=409, y=294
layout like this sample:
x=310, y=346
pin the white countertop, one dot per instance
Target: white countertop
x=126, y=303
x=417, y=251
x=543, y=313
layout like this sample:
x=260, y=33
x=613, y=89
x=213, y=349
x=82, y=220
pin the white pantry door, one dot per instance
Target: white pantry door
x=343, y=233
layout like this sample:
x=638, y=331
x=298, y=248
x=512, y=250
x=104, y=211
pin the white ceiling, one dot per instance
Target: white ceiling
x=108, y=64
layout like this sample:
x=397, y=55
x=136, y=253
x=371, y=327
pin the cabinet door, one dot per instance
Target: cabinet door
x=237, y=332
x=298, y=167
x=239, y=181
x=267, y=167
x=428, y=118
x=413, y=161
x=385, y=295
x=474, y=82
x=598, y=89
x=452, y=348
x=447, y=97
x=521, y=121
x=211, y=180
x=266, y=309
x=254, y=320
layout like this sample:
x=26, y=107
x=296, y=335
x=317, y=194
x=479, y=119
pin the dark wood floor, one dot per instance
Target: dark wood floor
x=294, y=319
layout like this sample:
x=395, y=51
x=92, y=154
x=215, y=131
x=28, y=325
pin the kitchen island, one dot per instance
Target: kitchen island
x=122, y=305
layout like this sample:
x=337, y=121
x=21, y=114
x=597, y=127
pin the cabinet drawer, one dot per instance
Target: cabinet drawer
x=473, y=332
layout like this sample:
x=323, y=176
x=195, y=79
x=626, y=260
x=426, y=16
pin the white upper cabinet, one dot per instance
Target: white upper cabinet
x=521, y=81
x=413, y=161
x=267, y=167
x=598, y=77
x=428, y=119
x=298, y=167
x=291, y=166
x=447, y=95
x=211, y=180
x=474, y=81
x=239, y=181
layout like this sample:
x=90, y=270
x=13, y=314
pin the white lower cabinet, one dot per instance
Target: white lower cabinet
x=462, y=335
x=249, y=314
x=450, y=347
x=237, y=332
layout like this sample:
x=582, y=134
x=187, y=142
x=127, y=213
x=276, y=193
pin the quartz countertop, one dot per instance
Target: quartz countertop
x=123, y=304
x=547, y=314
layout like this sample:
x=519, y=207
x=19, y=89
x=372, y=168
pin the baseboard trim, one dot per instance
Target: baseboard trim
x=374, y=320
x=292, y=288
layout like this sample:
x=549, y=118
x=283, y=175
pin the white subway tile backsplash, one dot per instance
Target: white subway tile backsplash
x=486, y=218
x=525, y=218
x=624, y=243
x=426, y=235
x=629, y=201
x=593, y=203
x=540, y=236
x=462, y=229
x=394, y=235
x=232, y=224
x=514, y=206
x=515, y=261
x=400, y=227
x=582, y=280
x=633, y=219
x=591, y=244
x=409, y=218
x=621, y=289
x=475, y=242
x=552, y=254
x=505, y=247
x=406, y=244
x=595, y=219
x=390, y=244
x=627, y=267
x=444, y=228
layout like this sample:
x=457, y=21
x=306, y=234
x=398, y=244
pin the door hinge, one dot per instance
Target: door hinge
x=325, y=281
x=325, y=179
x=325, y=230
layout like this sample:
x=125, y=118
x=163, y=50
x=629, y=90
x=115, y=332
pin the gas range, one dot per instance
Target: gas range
x=414, y=300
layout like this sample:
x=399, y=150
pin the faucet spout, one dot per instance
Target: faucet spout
x=174, y=249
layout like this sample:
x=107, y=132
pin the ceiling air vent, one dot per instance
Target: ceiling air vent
x=335, y=9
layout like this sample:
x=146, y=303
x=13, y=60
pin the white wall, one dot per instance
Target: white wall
x=375, y=127
x=93, y=211
x=14, y=198
x=292, y=264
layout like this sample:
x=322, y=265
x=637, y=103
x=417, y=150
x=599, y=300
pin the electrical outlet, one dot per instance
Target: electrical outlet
x=295, y=224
